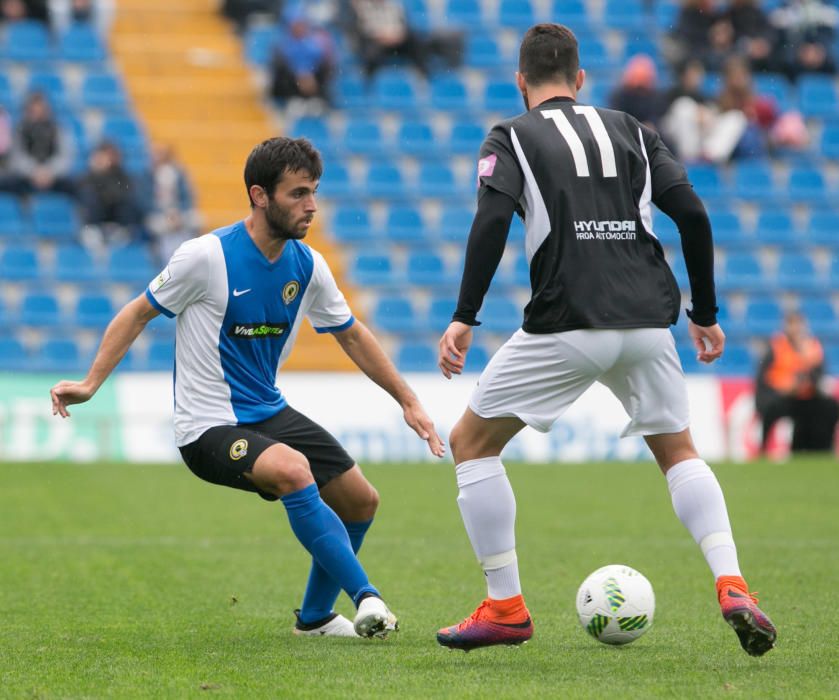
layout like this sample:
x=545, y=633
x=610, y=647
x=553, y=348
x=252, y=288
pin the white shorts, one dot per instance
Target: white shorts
x=536, y=377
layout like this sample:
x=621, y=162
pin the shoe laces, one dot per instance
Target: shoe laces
x=477, y=616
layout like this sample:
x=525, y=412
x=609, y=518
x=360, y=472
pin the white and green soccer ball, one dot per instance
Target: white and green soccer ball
x=616, y=604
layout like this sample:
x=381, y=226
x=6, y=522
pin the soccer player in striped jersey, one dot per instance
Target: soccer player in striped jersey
x=239, y=295
x=603, y=297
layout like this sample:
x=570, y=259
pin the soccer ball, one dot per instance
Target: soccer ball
x=616, y=604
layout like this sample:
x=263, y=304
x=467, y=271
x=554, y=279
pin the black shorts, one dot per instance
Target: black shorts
x=225, y=453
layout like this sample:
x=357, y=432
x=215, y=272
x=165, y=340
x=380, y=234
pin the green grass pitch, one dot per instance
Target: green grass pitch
x=129, y=581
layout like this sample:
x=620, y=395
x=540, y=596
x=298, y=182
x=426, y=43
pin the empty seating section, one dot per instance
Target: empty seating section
x=58, y=295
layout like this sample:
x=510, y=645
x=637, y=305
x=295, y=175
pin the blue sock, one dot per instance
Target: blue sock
x=322, y=591
x=324, y=536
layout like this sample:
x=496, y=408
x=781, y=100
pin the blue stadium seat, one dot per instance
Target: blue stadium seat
x=418, y=15
x=833, y=274
x=521, y=271
x=438, y=180
x=666, y=230
x=594, y=56
x=517, y=230
x=373, y=269
x=753, y=182
x=73, y=263
x=680, y=272
x=449, y=93
x=259, y=40
x=397, y=315
x=806, y=184
x=364, y=136
x=726, y=227
x=516, y=14
x=735, y=361
x=776, y=227
x=103, y=91
x=395, y=89
x=54, y=216
x=625, y=15
x=58, y=355
x=572, y=13
x=763, y=317
x=51, y=85
x=428, y=269
x=830, y=141
x=40, y=309
x=81, y=43
x=351, y=224
x=455, y=223
x=483, y=52
x=503, y=96
x=743, y=272
x=797, y=272
x=13, y=223
x=476, y=359
x=19, y=263
x=124, y=131
x=640, y=45
x=499, y=315
x=405, y=225
x=351, y=93
x=467, y=13
x=13, y=355
x=335, y=182
x=466, y=138
x=821, y=317
x=416, y=357
x=817, y=96
x=440, y=313
x=706, y=181
x=27, y=41
x=823, y=228
x=94, y=310
x=161, y=355
x=384, y=180
x=416, y=138
x=776, y=86
x=317, y=130
x=131, y=264
x=7, y=92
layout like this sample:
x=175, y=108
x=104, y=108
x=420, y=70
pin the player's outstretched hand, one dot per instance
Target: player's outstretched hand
x=66, y=394
x=453, y=348
x=422, y=425
x=709, y=341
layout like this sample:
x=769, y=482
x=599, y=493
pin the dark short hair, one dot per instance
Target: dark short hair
x=270, y=160
x=549, y=52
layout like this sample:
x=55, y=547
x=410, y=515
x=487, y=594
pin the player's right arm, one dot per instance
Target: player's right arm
x=121, y=332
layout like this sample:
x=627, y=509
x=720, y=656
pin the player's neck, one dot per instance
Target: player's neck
x=270, y=247
x=545, y=92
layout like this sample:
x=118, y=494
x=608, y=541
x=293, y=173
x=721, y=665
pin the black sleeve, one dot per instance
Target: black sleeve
x=498, y=166
x=683, y=206
x=484, y=250
x=665, y=170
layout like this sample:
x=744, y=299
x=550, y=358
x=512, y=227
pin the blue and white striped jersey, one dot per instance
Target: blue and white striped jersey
x=238, y=315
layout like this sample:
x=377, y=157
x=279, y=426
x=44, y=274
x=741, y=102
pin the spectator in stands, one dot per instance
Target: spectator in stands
x=171, y=217
x=735, y=126
x=806, y=34
x=109, y=199
x=637, y=93
x=302, y=61
x=42, y=152
x=689, y=82
x=788, y=384
x=16, y=10
x=382, y=32
x=754, y=35
x=98, y=13
x=690, y=37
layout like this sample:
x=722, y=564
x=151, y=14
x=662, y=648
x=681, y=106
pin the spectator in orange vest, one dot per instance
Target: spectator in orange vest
x=788, y=385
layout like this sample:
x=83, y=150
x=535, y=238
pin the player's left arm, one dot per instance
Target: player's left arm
x=365, y=351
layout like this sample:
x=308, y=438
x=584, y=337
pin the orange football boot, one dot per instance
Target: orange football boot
x=494, y=622
x=739, y=608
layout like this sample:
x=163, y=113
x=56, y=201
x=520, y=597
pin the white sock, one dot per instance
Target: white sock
x=488, y=508
x=700, y=505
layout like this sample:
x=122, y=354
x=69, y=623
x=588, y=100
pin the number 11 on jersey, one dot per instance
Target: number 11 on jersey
x=598, y=130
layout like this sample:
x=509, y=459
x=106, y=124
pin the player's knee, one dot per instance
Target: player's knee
x=281, y=470
x=368, y=505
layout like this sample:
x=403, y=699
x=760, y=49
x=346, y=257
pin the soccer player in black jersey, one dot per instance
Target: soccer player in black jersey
x=603, y=297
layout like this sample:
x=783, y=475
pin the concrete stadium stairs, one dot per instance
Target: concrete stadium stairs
x=187, y=77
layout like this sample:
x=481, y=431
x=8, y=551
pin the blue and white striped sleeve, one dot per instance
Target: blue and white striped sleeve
x=183, y=281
